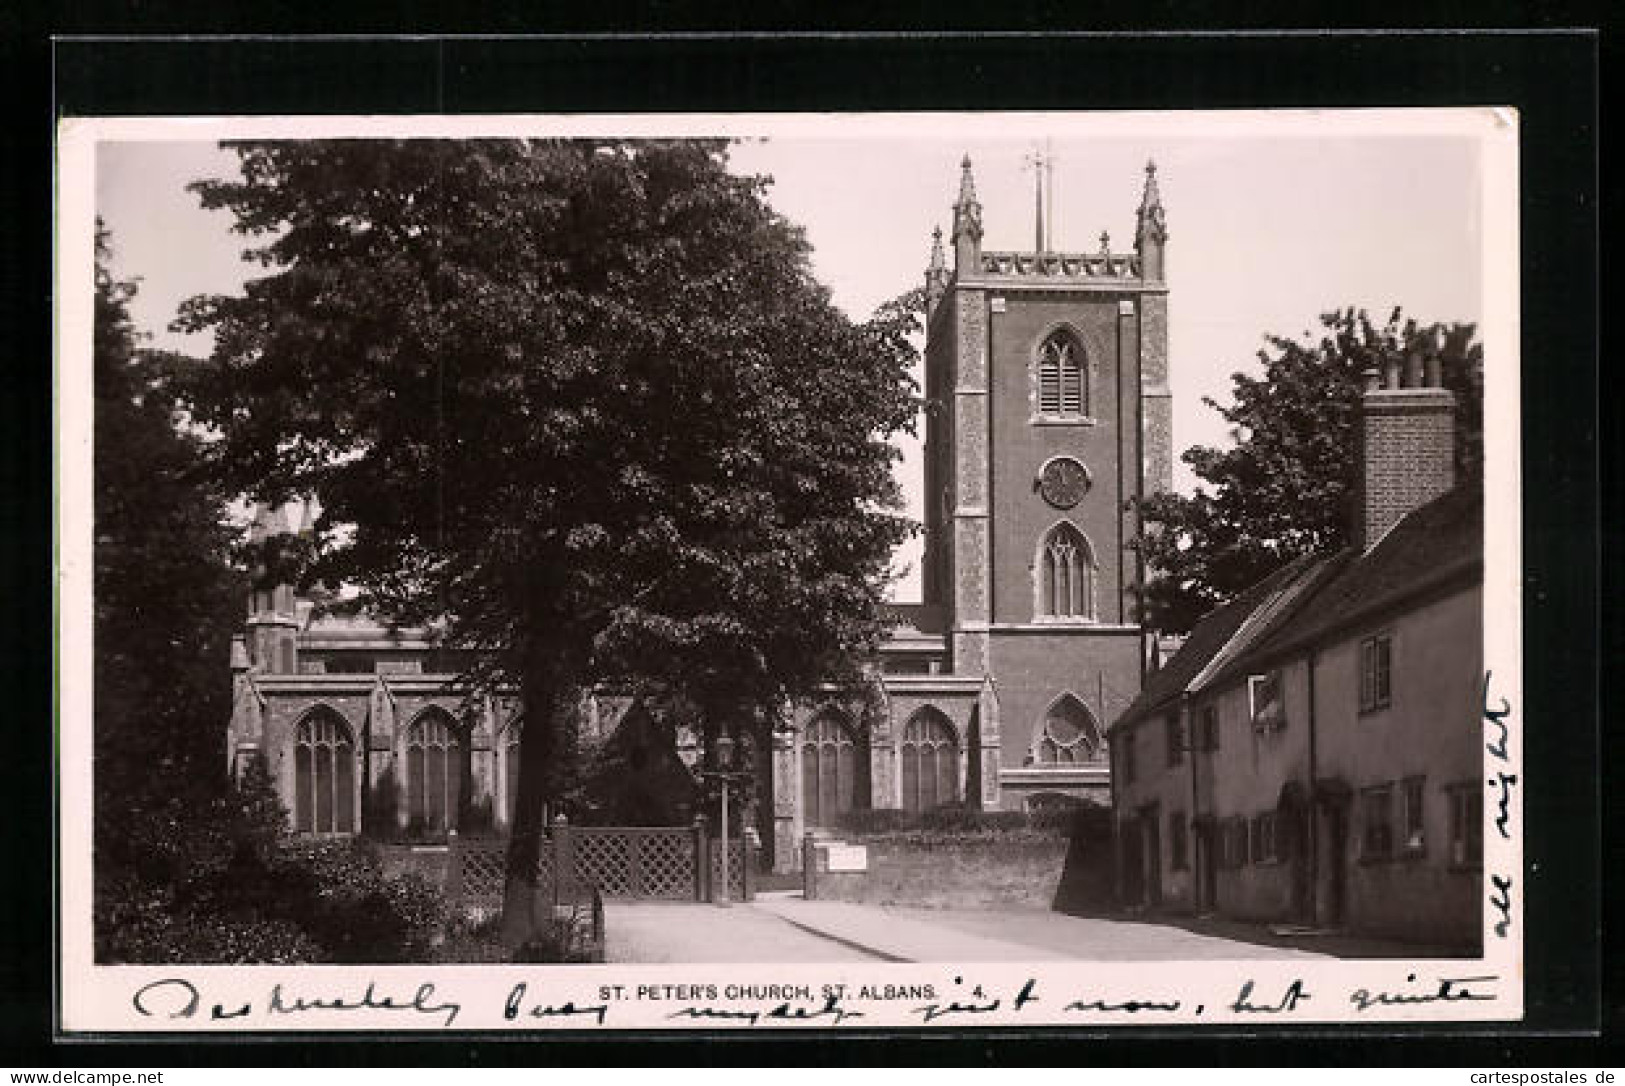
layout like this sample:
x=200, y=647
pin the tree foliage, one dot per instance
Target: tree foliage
x=579, y=403
x=1287, y=485
x=190, y=866
x=165, y=601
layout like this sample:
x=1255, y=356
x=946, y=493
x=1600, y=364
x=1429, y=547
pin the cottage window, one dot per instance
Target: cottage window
x=1178, y=846
x=1062, y=384
x=1412, y=827
x=323, y=775
x=1266, y=845
x=433, y=772
x=930, y=757
x=1174, y=732
x=1210, y=728
x=1466, y=825
x=1066, y=587
x=1070, y=734
x=1233, y=842
x=834, y=770
x=1376, y=676
x=1125, y=755
x=1377, y=823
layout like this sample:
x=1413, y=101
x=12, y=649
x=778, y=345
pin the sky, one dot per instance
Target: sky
x=1273, y=219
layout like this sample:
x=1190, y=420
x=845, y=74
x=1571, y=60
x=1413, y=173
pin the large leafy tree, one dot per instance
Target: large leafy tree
x=1286, y=486
x=579, y=403
x=166, y=821
x=166, y=598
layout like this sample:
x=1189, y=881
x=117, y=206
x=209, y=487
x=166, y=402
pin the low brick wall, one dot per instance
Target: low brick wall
x=952, y=874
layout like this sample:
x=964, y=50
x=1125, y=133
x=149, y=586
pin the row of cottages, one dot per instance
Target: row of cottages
x=1313, y=753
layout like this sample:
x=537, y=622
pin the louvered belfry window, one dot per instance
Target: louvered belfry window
x=1061, y=389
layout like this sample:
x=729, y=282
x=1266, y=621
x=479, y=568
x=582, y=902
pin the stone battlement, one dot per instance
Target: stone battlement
x=1062, y=265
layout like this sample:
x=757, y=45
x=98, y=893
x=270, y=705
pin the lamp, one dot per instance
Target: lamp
x=724, y=774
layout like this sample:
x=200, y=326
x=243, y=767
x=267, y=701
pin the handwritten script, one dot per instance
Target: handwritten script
x=526, y=1004
x=1501, y=784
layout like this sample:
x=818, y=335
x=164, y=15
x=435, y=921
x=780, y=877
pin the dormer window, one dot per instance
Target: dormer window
x=1266, y=706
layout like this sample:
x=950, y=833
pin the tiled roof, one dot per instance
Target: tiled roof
x=1210, y=637
x=1310, y=598
x=1434, y=545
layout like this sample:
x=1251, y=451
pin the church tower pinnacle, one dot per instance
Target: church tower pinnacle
x=936, y=273
x=272, y=614
x=1151, y=231
x=967, y=223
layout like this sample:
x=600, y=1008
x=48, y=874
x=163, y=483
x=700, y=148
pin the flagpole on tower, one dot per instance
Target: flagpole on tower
x=1049, y=194
x=1043, y=164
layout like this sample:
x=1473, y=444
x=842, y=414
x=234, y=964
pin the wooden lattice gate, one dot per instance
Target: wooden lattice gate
x=636, y=862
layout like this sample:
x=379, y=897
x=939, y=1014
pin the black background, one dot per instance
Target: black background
x=646, y=63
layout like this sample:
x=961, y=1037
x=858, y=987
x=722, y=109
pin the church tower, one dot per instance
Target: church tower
x=273, y=621
x=1047, y=421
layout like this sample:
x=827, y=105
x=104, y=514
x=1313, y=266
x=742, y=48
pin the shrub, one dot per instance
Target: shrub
x=951, y=822
x=337, y=892
x=226, y=885
x=867, y=821
x=139, y=921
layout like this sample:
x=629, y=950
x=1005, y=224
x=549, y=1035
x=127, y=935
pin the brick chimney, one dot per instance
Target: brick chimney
x=1407, y=443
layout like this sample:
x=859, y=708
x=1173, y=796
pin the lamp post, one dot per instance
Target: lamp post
x=725, y=775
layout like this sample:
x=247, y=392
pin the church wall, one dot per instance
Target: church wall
x=1020, y=514
x=281, y=717
x=1157, y=411
x=938, y=575
x=1033, y=669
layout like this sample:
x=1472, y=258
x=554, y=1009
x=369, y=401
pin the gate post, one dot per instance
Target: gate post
x=702, y=859
x=563, y=857
x=749, y=849
x=809, y=867
x=454, y=874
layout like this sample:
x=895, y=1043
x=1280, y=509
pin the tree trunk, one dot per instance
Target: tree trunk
x=549, y=689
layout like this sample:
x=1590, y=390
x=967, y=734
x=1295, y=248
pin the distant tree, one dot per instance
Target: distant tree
x=1286, y=486
x=580, y=403
x=166, y=602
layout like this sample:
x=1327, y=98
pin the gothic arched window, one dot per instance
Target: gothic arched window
x=1063, y=387
x=433, y=771
x=323, y=775
x=930, y=761
x=834, y=769
x=1070, y=734
x=1066, y=574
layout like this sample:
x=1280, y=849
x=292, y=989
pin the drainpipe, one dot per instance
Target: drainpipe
x=1193, y=846
x=1314, y=802
x=1114, y=762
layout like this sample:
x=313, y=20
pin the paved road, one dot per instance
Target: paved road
x=680, y=931
x=784, y=928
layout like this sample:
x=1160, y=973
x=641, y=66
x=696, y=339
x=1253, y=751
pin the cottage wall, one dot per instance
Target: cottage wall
x=1433, y=729
x=1246, y=777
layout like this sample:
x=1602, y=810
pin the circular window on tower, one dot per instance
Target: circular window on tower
x=1063, y=482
